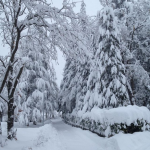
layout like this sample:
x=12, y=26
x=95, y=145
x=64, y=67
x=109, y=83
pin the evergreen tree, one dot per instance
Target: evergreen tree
x=74, y=86
x=68, y=87
x=82, y=78
x=107, y=82
x=37, y=89
x=83, y=67
x=83, y=17
x=76, y=72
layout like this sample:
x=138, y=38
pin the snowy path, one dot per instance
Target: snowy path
x=77, y=139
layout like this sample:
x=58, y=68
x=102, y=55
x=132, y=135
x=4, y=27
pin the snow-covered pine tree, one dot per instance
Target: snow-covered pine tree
x=83, y=17
x=68, y=87
x=37, y=90
x=83, y=72
x=51, y=96
x=76, y=72
x=107, y=82
x=113, y=3
x=83, y=67
x=73, y=87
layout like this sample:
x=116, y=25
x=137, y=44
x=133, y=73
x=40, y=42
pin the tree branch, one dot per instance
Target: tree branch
x=3, y=98
x=11, y=61
x=3, y=63
x=16, y=81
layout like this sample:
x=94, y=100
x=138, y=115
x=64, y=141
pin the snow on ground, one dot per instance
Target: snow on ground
x=136, y=141
x=40, y=138
x=56, y=135
x=77, y=139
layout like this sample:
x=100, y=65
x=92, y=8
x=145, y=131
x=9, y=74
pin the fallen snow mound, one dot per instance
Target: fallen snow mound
x=44, y=138
x=106, y=122
x=47, y=138
x=125, y=115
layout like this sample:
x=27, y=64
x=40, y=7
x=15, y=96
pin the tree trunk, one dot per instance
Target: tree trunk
x=1, y=115
x=10, y=123
x=46, y=114
x=131, y=98
x=131, y=94
x=0, y=135
x=11, y=90
x=0, y=129
x=0, y=124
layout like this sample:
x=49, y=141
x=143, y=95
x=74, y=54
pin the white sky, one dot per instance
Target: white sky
x=92, y=7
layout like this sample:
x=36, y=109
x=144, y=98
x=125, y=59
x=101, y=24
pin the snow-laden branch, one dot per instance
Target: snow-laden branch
x=4, y=99
x=16, y=81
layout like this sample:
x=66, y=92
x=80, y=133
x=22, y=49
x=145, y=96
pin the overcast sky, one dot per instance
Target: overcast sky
x=92, y=7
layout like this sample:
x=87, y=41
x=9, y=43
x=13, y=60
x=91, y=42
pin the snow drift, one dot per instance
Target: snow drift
x=109, y=122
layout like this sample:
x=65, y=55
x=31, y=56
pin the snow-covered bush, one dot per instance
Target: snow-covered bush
x=37, y=90
x=36, y=117
x=107, y=123
x=23, y=118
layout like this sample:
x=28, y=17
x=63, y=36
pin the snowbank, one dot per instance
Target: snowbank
x=136, y=141
x=105, y=122
x=125, y=115
x=42, y=138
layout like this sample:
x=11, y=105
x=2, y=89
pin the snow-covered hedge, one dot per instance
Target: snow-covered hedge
x=109, y=122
